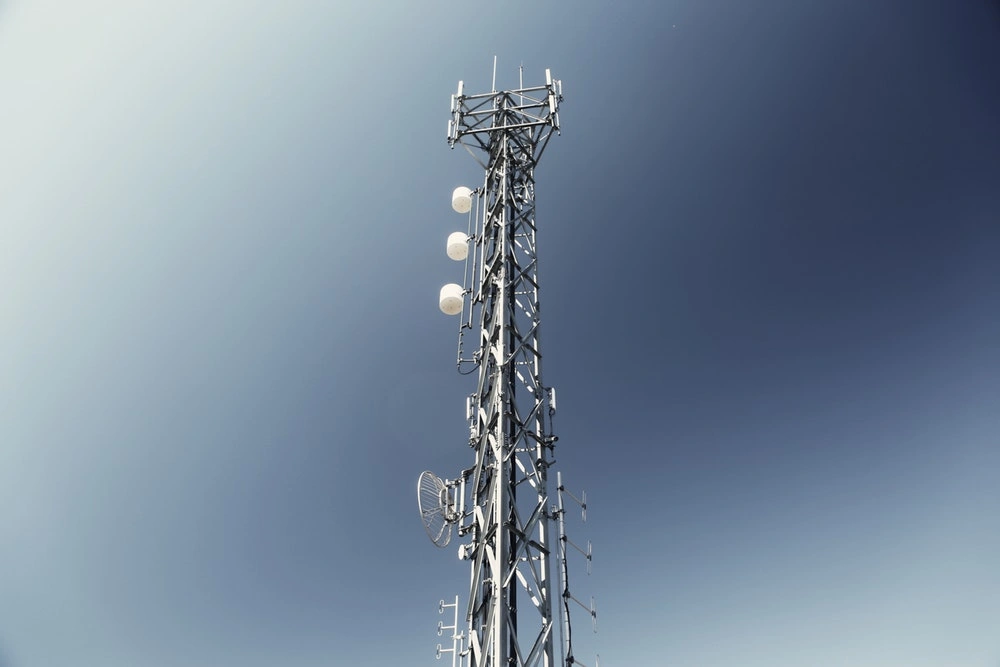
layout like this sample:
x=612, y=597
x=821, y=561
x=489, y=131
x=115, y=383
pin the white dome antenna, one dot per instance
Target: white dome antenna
x=458, y=246
x=452, y=299
x=461, y=199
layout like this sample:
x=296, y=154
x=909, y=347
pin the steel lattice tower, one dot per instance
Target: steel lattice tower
x=501, y=506
x=511, y=543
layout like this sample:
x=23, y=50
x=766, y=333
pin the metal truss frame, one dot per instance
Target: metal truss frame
x=506, y=522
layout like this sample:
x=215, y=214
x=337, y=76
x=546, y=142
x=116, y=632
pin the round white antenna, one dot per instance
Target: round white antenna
x=437, y=511
x=451, y=299
x=458, y=246
x=461, y=199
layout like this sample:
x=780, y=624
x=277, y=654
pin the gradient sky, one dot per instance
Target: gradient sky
x=769, y=241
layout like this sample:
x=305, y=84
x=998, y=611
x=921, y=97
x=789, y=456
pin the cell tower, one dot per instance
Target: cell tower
x=501, y=507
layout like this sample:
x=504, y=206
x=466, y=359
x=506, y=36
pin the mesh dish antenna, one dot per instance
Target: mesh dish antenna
x=437, y=509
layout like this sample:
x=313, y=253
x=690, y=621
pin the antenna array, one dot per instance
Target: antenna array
x=500, y=507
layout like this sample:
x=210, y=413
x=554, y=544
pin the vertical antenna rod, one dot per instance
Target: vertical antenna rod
x=506, y=521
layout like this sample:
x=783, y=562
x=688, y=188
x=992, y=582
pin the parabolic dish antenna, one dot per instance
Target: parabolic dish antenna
x=437, y=511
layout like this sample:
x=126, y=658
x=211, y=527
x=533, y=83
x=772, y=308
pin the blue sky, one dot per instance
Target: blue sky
x=768, y=244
